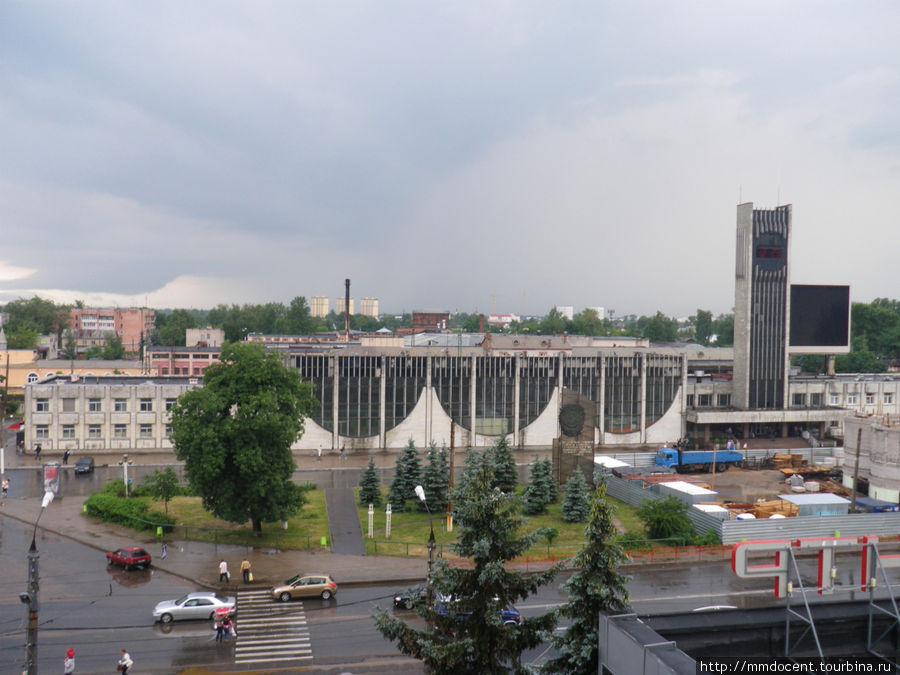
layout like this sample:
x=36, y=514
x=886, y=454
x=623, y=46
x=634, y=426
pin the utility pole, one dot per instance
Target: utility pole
x=30, y=599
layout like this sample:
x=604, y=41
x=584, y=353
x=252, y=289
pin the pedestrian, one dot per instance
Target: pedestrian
x=220, y=628
x=245, y=571
x=69, y=662
x=343, y=452
x=20, y=448
x=125, y=662
x=224, y=576
x=164, y=552
x=4, y=487
x=227, y=628
x=37, y=452
x=320, y=452
x=66, y=456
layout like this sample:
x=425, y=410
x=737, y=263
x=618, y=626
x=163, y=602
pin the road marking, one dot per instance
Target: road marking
x=270, y=631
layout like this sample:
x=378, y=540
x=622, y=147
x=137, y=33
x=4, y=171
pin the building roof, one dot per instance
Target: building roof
x=134, y=380
x=688, y=488
x=609, y=462
x=814, y=498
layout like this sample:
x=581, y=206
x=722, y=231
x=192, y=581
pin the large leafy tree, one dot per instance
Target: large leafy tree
x=596, y=586
x=667, y=519
x=45, y=316
x=171, y=328
x=234, y=435
x=470, y=635
x=113, y=349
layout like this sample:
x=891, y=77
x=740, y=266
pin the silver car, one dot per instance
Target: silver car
x=198, y=605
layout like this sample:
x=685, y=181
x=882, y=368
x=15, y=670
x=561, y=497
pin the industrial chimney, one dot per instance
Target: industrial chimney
x=347, y=308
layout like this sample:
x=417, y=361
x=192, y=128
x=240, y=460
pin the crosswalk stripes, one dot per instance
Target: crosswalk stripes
x=269, y=631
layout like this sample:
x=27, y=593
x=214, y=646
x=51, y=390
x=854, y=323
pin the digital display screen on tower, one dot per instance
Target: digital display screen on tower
x=820, y=319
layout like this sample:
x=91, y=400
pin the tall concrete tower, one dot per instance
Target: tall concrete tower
x=761, y=307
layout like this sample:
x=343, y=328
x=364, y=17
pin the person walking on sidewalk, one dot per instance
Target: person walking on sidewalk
x=69, y=662
x=320, y=452
x=224, y=576
x=4, y=488
x=37, y=452
x=125, y=663
x=66, y=456
x=245, y=570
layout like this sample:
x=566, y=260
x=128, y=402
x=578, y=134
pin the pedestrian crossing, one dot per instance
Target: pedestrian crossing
x=269, y=631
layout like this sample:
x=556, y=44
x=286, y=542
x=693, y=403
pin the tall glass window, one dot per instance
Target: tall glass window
x=623, y=394
x=404, y=382
x=537, y=380
x=451, y=377
x=663, y=382
x=317, y=368
x=358, y=395
x=494, y=395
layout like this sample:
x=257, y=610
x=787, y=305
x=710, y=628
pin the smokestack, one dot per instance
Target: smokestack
x=347, y=308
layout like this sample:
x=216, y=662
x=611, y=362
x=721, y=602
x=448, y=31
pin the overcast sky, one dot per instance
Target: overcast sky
x=490, y=156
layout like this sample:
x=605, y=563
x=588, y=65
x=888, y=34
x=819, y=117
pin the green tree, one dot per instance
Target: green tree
x=667, y=519
x=70, y=349
x=113, y=349
x=23, y=336
x=723, y=329
x=554, y=323
x=407, y=474
x=470, y=636
x=163, y=485
x=576, y=505
x=171, y=328
x=436, y=480
x=539, y=493
x=597, y=586
x=588, y=322
x=506, y=476
x=370, y=485
x=234, y=435
x=703, y=326
x=659, y=328
x=43, y=315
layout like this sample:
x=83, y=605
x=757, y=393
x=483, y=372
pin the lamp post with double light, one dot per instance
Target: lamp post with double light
x=30, y=597
x=125, y=463
x=420, y=493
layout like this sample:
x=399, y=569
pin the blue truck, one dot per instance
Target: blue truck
x=697, y=460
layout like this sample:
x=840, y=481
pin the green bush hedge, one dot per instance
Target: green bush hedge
x=134, y=512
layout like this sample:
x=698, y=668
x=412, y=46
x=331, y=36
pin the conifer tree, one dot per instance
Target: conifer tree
x=596, y=586
x=506, y=476
x=535, y=497
x=550, y=481
x=470, y=635
x=436, y=480
x=370, y=485
x=407, y=474
x=576, y=505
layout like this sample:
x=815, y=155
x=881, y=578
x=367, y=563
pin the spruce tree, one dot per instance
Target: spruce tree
x=576, y=505
x=470, y=635
x=407, y=474
x=550, y=481
x=506, y=476
x=436, y=480
x=370, y=485
x=536, y=497
x=597, y=586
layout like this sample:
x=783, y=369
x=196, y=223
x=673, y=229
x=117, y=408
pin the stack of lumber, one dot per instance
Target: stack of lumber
x=769, y=508
x=787, y=461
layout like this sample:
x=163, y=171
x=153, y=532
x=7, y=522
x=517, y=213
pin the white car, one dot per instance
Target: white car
x=197, y=605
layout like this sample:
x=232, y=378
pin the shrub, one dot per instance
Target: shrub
x=134, y=512
x=708, y=538
x=633, y=540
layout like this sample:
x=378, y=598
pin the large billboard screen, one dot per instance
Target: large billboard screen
x=820, y=319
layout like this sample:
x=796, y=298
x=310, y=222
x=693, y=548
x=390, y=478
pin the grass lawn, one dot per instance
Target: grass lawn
x=305, y=529
x=410, y=529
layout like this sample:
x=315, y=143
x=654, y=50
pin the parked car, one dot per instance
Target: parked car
x=306, y=586
x=84, y=465
x=197, y=605
x=416, y=595
x=129, y=557
x=508, y=615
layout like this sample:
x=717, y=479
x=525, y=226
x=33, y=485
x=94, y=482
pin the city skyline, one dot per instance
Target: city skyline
x=491, y=158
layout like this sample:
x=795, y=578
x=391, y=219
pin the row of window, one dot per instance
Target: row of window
x=797, y=400
x=95, y=431
x=164, y=370
x=96, y=404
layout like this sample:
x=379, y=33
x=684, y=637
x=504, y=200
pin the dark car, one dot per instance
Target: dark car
x=84, y=465
x=129, y=557
x=508, y=615
x=411, y=597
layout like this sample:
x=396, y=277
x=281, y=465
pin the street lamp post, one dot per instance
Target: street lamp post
x=125, y=462
x=420, y=493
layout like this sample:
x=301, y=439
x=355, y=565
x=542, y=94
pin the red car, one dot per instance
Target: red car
x=129, y=557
